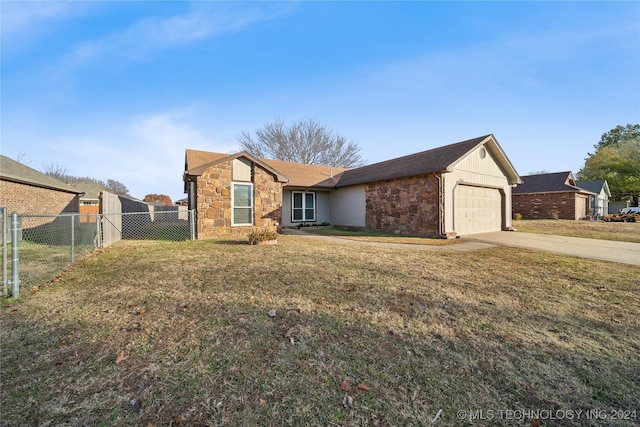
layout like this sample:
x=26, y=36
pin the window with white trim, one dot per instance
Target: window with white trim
x=242, y=204
x=303, y=206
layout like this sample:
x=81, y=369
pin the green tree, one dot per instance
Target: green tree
x=617, y=159
x=303, y=142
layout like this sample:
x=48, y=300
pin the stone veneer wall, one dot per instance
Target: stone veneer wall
x=407, y=206
x=28, y=199
x=214, y=202
x=546, y=205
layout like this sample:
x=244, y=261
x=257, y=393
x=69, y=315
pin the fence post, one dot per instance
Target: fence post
x=4, y=251
x=192, y=223
x=15, y=277
x=98, y=231
x=73, y=238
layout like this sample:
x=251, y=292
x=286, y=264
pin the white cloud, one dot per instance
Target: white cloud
x=145, y=153
x=23, y=21
x=150, y=35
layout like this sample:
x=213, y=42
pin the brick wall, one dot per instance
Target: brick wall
x=407, y=206
x=547, y=205
x=28, y=199
x=214, y=202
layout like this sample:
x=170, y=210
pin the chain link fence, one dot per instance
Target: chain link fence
x=36, y=248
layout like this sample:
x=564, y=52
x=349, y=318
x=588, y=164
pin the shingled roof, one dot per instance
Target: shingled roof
x=441, y=159
x=11, y=170
x=295, y=174
x=595, y=186
x=558, y=182
x=197, y=161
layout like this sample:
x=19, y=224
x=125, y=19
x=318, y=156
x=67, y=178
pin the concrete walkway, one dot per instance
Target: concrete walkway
x=607, y=250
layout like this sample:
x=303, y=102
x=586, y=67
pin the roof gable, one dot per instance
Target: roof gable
x=197, y=161
x=440, y=159
x=11, y=170
x=596, y=186
x=549, y=183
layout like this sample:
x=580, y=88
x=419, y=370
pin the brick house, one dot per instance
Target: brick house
x=27, y=191
x=553, y=196
x=445, y=192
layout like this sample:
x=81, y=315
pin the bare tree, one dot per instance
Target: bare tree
x=303, y=142
x=117, y=187
x=57, y=171
x=60, y=173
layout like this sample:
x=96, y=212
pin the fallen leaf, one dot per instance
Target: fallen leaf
x=122, y=356
x=347, y=402
x=535, y=423
x=346, y=385
x=363, y=387
x=263, y=402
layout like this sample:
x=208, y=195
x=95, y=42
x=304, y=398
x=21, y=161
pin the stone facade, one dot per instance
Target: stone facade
x=29, y=199
x=214, y=202
x=551, y=205
x=407, y=206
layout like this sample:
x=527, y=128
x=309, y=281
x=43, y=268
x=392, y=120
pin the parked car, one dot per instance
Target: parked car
x=631, y=214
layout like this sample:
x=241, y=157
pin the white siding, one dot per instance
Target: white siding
x=241, y=169
x=475, y=170
x=348, y=207
x=601, y=203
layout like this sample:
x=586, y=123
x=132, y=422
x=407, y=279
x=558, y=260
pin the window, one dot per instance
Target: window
x=303, y=206
x=242, y=204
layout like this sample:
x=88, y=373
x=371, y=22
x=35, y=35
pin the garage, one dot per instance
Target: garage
x=477, y=209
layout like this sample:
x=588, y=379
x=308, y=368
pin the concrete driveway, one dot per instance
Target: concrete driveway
x=607, y=250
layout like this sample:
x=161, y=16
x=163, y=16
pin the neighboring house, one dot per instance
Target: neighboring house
x=600, y=202
x=615, y=206
x=91, y=192
x=89, y=200
x=551, y=195
x=27, y=191
x=454, y=190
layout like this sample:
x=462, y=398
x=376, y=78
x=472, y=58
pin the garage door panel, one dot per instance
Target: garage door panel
x=477, y=210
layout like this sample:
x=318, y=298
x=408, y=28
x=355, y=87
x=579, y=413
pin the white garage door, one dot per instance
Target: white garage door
x=477, y=210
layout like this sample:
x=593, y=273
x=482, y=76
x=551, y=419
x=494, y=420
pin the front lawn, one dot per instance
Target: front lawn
x=618, y=231
x=219, y=333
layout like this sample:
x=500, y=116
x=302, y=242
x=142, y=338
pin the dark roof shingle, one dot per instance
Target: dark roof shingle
x=548, y=183
x=430, y=161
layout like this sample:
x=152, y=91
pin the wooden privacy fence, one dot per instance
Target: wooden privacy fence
x=126, y=218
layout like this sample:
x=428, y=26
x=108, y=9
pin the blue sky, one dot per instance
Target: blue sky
x=118, y=90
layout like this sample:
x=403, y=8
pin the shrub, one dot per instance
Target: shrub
x=261, y=236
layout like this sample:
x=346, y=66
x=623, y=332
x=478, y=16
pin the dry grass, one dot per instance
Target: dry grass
x=182, y=329
x=366, y=236
x=619, y=231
